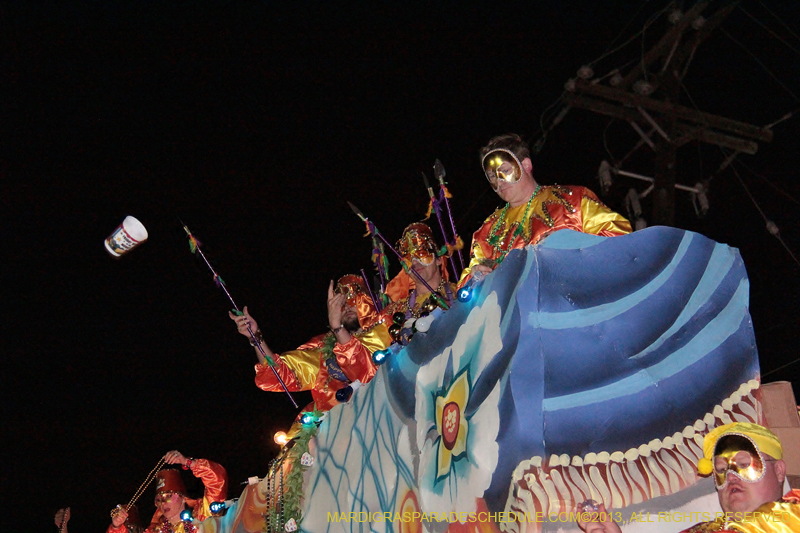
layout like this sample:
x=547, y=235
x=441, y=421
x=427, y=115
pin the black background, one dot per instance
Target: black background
x=254, y=122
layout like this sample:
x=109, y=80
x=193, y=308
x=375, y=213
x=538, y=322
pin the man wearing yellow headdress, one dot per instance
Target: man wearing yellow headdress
x=334, y=364
x=532, y=211
x=746, y=461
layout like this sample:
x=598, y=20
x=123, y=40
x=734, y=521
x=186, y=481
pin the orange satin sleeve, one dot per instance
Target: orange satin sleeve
x=355, y=356
x=215, y=481
x=120, y=529
x=600, y=220
x=299, y=368
x=265, y=379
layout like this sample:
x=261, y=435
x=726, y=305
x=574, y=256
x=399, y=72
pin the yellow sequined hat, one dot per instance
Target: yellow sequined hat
x=766, y=441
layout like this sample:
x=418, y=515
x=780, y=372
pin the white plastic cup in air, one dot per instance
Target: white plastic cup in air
x=126, y=237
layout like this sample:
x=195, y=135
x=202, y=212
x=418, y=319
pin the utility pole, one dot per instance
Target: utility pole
x=647, y=98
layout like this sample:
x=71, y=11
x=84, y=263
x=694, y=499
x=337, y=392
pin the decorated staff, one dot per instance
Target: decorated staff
x=378, y=304
x=436, y=208
x=382, y=268
x=456, y=243
x=375, y=233
x=194, y=246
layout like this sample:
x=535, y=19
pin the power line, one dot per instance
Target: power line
x=790, y=363
x=762, y=65
x=768, y=182
x=646, y=25
x=781, y=39
x=771, y=227
x=779, y=20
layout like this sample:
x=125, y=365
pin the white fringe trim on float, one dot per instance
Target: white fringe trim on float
x=619, y=479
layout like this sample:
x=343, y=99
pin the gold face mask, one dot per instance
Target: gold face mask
x=417, y=244
x=164, y=497
x=739, y=456
x=501, y=165
x=350, y=286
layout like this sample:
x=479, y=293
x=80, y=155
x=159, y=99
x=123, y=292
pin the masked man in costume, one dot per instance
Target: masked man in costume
x=532, y=211
x=335, y=362
x=412, y=299
x=171, y=497
x=746, y=462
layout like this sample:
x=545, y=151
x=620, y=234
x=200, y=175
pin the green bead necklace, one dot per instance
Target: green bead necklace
x=495, y=238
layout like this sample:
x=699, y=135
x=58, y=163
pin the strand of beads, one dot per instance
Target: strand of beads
x=496, y=240
x=281, y=516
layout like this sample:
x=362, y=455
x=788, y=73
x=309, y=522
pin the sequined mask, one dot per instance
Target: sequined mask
x=164, y=497
x=417, y=243
x=501, y=165
x=737, y=455
x=351, y=286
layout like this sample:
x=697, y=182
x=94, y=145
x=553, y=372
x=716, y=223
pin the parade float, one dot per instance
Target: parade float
x=583, y=368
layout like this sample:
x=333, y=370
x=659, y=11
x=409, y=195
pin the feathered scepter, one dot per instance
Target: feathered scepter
x=194, y=246
x=437, y=205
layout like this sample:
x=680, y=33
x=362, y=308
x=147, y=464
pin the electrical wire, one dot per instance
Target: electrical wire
x=768, y=182
x=647, y=24
x=694, y=104
x=605, y=141
x=762, y=65
x=630, y=21
x=781, y=39
x=779, y=20
x=770, y=224
x=790, y=363
x=542, y=118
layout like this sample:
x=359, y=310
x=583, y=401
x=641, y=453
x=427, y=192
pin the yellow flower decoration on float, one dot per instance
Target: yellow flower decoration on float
x=451, y=423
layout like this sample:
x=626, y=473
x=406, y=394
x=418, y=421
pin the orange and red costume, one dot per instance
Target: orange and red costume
x=551, y=208
x=324, y=366
x=307, y=367
x=215, y=481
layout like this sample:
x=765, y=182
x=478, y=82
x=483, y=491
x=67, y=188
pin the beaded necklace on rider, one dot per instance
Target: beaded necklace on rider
x=413, y=311
x=496, y=235
x=167, y=527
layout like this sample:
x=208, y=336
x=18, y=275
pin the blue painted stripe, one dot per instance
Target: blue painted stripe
x=719, y=264
x=725, y=324
x=567, y=239
x=586, y=317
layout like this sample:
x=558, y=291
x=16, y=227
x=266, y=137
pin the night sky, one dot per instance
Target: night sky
x=254, y=123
